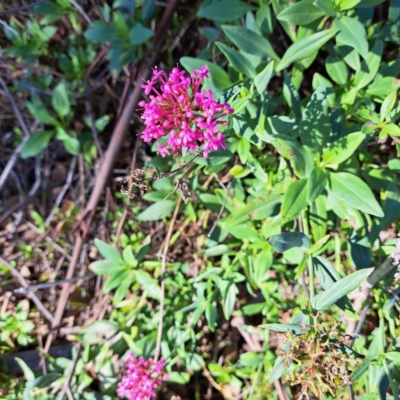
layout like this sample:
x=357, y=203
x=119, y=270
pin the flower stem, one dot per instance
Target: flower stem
x=163, y=266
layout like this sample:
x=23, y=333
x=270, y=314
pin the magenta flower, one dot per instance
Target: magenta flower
x=142, y=378
x=178, y=110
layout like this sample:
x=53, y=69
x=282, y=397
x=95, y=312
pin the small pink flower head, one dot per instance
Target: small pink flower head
x=142, y=378
x=190, y=118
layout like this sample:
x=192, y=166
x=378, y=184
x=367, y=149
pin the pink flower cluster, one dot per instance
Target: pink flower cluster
x=179, y=109
x=142, y=378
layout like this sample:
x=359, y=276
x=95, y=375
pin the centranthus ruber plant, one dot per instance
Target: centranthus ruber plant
x=178, y=109
x=142, y=378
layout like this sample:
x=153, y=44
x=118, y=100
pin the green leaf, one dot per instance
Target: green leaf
x=291, y=95
x=102, y=33
x=315, y=127
x=150, y=285
x=347, y=4
x=296, y=328
x=249, y=41
x=60, y=101
x=140, y=34
x=318, y=217
x=36, y=143
x=223, y=10
x=393, y=356
x=352, y=33
x=326, y=6
x=129, y=257
x=104, y=327
x=339, y=289
x=289, y=240
x=39, y=111
x=72, y=145
x=390, y=129
x=157, y=211
x=355, y=193
x=340, y=150
x=28, y=373
x=228, y=291
x=181, y=378
x=294, y=200
x=305, y=48
x=302, y=13
x=263, y=78
x=300, y=158
x=220, y=77
x=258, y=209
x=237, y=60
x=105, y=267
x=388, y=104
x=316, y=183
x=369, y=67
x=350, y=56
x=336, y=70
x=108, y=252
x=115, y=280
x=216, y=250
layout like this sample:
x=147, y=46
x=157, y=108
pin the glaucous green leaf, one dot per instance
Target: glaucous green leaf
x=305, y=48
x=294, y=200
x=352, y=33
x=302, y=13
x=326, y=299
x=157, y=211
x=354, y=192
x=316, y=183
x=369, y=67
x=108, y=252
x=101, y=33
x=300, y=158
x=296, y=328
x=249, y=41
x=289, y=240
x=140, y=34
x=237, y=60
x=36, y=143
x=220, y=77
x=60, y=100
x=350, y=56
x=340, y=150
x=327, y=6
x=315, y=127
x=223, y=10
x=257, y=209
x=72, y=145
x=336, y=69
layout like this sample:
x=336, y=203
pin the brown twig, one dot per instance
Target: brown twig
x=106, y=167
x=15, y=273
x=67, y=382
x=163, y=267
x=24, y=129
x=22, y=8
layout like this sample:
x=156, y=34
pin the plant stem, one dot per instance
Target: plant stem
x=311, y=277
x=163, y=265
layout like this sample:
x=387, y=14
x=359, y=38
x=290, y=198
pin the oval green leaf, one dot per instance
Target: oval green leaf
x=157, y=211
x=328, y=298
x=305, y=48
x=355, y=193
x=237, y=60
